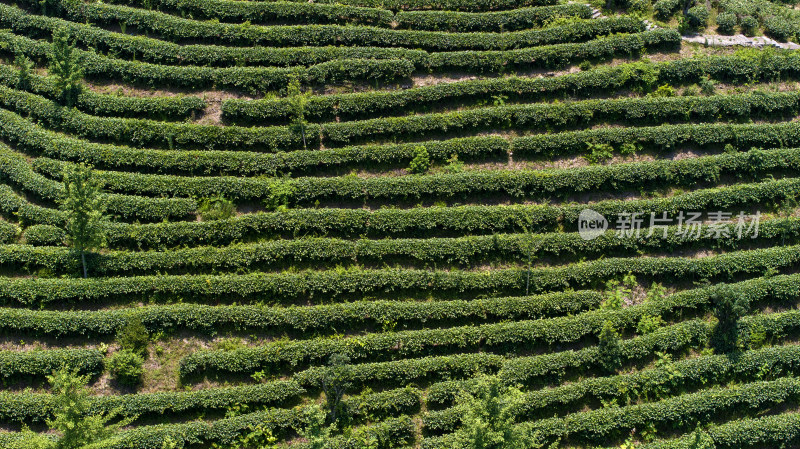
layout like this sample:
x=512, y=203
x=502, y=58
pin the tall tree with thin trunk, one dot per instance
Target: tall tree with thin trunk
x=487, y=417
x=74, y=423
x=85, y=206
x=531, y=246
x=66, y=67
x=297, y=102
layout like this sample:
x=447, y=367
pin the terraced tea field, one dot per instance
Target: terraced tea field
x=246, y=220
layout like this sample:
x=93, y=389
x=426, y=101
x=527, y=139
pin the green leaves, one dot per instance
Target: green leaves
x=125, y=367
x=421, y=162
x=39, y=363
x=84, y=208
x=488, y=416
x=66, y=66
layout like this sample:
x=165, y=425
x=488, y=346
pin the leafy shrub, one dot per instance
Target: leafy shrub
x=618, y=294
x=656, y=292
x=629, y=149
x=700, y=439
x=280, y=196
x=665, y=8
x=697, y=17
x=749, y=25
x=126, y=368
x=316, y=432
x=44, y=235
x=755, y=338
x=726, y=23
x=421, y=162
x=664, y=90
x=599, y=152
x=779, y=28
x=691, y=91
x=217, y=208
x=8, y=232
x=454, y=165
x=649, y=324
x=707, y=86
x=133, y=337
x=638, y=5
x=228, y=344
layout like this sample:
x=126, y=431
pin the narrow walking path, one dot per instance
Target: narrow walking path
x=740, y=39
x=729, y=41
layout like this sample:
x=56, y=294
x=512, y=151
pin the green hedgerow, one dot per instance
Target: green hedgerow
x=44, y=235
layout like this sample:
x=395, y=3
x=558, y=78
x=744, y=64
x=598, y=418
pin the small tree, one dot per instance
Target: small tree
x=336, y=380
x=610, y=347
x=729, y=307
x=421, y=162
x=280, y=196
x=488, y=417
x=25, y=66
x=72, y=421
x=133, y=336
x=66, y=66
x=530, y=246
x=316, y=432
x=126, y=367
x=84, y=205
x=297, y=104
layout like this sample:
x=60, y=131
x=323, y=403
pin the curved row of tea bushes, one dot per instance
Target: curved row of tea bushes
x=462, y=251
x=514, y=184
x=343, y=283
x=550, y=117
x=286, y=13
x=421, y=342
x=181, y=30
x=166, y=108
x=210, y=320
x=640, y=76
x=428, y=221
x=612, y=423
